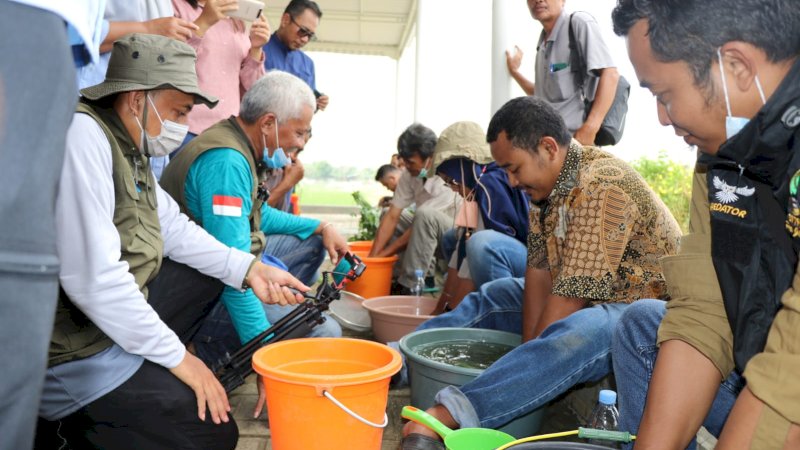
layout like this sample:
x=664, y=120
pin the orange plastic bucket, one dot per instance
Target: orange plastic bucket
x=360, y=246
x=376, y=281
x=326, y=393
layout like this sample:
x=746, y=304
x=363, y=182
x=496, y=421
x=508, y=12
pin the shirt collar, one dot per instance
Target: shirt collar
x=564, y=17
x=568, y=178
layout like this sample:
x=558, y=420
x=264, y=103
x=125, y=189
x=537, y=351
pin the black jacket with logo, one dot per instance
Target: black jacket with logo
x=755, y=217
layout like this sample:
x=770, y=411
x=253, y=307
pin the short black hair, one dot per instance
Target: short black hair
x=384, y=170
x=526, y=120
x=297, y=7
x=417, y=139
x=692, y=30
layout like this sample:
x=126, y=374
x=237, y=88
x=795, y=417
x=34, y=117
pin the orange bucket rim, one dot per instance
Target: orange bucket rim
x=375, y=259
x=292, y=377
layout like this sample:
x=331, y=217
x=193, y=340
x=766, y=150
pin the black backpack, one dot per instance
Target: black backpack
x=614, y=123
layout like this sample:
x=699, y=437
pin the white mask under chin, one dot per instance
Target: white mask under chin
x=733, y=124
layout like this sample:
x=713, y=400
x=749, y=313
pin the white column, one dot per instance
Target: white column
x=418, y=57
x=502, y=20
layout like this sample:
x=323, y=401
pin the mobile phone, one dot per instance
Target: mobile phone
x=249, y=10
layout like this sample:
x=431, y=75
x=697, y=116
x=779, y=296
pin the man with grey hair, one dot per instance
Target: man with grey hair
x=216, y=181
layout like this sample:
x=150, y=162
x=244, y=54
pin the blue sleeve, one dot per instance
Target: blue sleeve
x=275, y=221
x=312, y=77
x=217, y=182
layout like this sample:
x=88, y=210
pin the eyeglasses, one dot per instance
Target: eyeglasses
x=303, y=31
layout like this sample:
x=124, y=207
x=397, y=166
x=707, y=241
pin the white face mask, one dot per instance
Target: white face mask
x=734, y=125
x=170, y=139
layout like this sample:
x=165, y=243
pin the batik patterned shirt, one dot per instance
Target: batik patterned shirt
x=602, y=231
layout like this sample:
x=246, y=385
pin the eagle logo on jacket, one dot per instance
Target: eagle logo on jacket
x=728, y=194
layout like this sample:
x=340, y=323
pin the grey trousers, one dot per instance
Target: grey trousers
x=37, y=99
x=427, y=229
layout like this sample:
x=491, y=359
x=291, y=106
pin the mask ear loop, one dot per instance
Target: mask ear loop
x=724, y=83
x=486, y=191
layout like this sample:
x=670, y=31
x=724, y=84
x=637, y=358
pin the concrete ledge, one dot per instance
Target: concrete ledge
x=328, y=209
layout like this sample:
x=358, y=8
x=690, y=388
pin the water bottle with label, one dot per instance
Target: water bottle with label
x=605, y=417
x=419, y=285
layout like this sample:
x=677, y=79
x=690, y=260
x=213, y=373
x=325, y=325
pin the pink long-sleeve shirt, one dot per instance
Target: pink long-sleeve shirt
x=224, y=66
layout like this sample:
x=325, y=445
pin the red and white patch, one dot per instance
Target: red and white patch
x=224, y=205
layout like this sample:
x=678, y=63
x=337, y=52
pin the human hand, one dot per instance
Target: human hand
x=333, y=242
x=586, y=134
x=171, y=27
x=206, y=387
x=262, y=398
x=271, y=285
x=294, y=173
x=514, y=61
x=322, y=102
x=259, y=32
x=213, y=12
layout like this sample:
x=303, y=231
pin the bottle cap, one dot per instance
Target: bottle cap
x=608, y=397
x=419, y=273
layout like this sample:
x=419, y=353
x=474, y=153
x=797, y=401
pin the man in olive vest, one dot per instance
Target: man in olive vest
x=137, y=277
x=215, y=180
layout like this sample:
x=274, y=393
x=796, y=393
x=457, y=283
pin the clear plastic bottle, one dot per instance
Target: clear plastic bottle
x=605, y=417
x=419, y=284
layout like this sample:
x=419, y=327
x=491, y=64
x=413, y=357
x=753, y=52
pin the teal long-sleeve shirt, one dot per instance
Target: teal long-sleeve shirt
x=217, y=183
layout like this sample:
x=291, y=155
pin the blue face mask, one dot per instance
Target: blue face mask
x=733, y=125
x=423, y=173
x=278, y=160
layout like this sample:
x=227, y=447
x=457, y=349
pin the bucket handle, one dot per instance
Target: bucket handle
x=330, y=397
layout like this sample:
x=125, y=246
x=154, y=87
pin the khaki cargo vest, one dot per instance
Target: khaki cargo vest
x=136, y=220
x=223, y=134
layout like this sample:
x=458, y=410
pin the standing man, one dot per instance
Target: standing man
x=37, y=100
x=726, y=77
x=554, y=79
x=297, y=28
x=597, y=231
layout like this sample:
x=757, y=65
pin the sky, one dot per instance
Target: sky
x=373, y=99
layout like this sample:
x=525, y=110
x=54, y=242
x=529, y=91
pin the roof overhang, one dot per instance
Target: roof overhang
x=360, y=27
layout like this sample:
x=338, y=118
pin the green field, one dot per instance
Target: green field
x=338, y=193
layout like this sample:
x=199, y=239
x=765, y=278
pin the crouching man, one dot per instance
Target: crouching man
x=137, y=277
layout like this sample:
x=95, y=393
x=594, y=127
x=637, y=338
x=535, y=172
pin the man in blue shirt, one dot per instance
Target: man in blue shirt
x=298, y=27
x=216, y=181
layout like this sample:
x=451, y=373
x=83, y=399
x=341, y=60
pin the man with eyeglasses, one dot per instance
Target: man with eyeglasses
x=298, y=27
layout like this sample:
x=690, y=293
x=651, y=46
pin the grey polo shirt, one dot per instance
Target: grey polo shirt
x=554, y=80
x=432, y=193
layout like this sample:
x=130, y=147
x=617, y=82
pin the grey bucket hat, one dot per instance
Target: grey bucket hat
x=141, y=62
x=462, y=140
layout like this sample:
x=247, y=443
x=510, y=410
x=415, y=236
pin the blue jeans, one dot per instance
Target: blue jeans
x=493, y=255
x=573, y=350
x=635, y=351
x=303, y=257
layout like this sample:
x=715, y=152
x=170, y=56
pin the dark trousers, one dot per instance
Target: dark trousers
x=153, y=409
x=37, y=99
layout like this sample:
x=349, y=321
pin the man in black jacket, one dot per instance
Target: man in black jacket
x=726, y=77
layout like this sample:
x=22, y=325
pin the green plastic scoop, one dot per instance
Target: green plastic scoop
x=461, y=439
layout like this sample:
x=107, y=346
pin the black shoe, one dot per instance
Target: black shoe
x=399, y=289
x=430, y=282
x=416, y=441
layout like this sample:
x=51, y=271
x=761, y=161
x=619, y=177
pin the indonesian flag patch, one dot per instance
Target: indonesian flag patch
x=224, y=205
